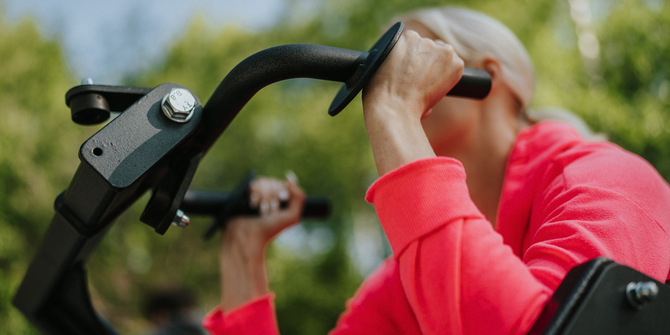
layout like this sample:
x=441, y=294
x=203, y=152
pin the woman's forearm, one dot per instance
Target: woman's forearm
x=242, y=257
x=243, y=275
x=396, y=136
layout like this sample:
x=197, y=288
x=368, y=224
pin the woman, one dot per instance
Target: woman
x=480, y=255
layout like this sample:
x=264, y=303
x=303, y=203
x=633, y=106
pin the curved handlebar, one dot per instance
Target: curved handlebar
x=269, y=66
x=354, y=68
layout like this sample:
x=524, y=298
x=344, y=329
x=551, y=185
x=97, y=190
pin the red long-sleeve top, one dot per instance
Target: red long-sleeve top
x=564, y=201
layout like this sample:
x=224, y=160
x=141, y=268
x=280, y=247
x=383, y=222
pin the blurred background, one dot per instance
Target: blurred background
x=606, y=60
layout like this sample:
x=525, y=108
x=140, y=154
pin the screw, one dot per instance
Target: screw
x=178, y=105
x=181, y=219
x=641, y=293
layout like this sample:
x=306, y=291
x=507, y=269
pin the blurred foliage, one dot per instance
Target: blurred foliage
x=624, y=92
x=38, y=151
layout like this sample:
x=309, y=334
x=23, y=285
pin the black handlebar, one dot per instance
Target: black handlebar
x=223, y=206
x=354, y=68
x=210, y=203
x=475, y=84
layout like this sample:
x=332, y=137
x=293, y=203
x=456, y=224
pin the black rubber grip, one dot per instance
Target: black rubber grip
x=212, y=203
x=474, y=84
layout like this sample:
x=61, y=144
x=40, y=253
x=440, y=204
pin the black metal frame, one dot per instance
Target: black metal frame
x=142, y=150
x=592, y=299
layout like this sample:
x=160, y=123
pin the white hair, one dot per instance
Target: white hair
x=475, y=37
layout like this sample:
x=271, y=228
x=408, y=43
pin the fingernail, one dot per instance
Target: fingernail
x=253, y=200
x=283, y=194
x=290, y=176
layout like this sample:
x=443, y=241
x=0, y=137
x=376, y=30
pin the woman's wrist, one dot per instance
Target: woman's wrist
x=396, y=136
x=382, y=102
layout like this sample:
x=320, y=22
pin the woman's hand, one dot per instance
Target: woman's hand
x=242, y=257
x=417, y=74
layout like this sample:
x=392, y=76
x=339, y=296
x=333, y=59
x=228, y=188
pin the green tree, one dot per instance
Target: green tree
x=38, y=151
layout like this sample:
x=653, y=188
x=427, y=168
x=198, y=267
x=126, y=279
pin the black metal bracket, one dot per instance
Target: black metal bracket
x=93, y=104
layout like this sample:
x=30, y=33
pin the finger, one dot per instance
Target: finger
x=264, y=208
x=254, y=199
x=296, y=194
x=273, y=220
x=267, y=194
x=255, y=190
x=411, y=34
x=291, y=177
x=276, y=221
x=274, y=205
x=441, y=43
x=284, y=195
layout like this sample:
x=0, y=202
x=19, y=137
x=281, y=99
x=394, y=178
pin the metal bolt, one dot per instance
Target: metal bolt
x=181, y=219
x=641, y=293
x=178, y=105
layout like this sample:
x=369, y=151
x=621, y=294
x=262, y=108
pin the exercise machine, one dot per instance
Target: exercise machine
x=155, y=145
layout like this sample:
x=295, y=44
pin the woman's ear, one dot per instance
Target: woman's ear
x=492, y=66
x=499, y=86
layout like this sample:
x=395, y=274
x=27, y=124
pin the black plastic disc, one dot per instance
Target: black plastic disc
x=89, y=109
x=360, y=78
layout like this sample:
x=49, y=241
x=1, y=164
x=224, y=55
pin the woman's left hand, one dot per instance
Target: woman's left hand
x=242, y=257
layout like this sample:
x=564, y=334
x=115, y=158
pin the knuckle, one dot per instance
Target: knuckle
x=411, y=34
x=449, y=50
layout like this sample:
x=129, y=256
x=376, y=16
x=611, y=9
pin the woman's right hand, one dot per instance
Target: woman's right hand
x=416, y=75
x=242, y=256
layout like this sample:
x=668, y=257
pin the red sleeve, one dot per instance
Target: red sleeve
x=254, y=318
x=379, y=306
x=456, y=272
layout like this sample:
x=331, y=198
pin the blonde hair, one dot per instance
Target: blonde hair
x=476, y=36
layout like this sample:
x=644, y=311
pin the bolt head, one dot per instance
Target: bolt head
x=178, y=105
x=640, y=293
x=181, y=219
